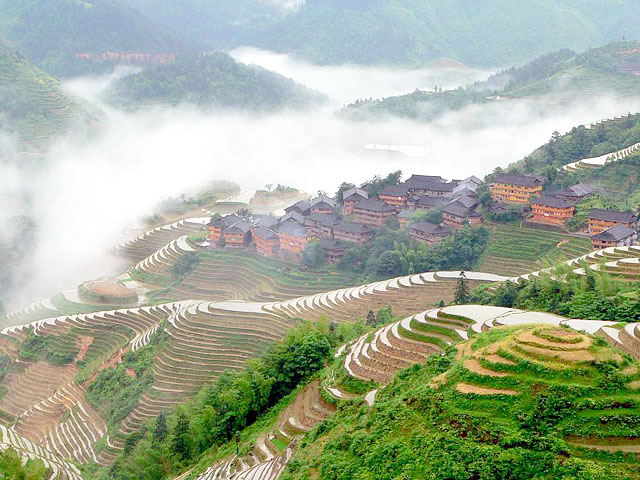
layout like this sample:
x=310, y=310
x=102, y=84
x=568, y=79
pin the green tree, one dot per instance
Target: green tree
x=313, y=254
x=161, y=429
x=462, y=295
x=181, y=439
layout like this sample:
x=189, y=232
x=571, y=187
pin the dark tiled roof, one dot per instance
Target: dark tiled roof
x=552, y=202
x=430, y=228
x=406, y=213
x=266, y=221
x=395, y=190
x=265, y=233
x=292, y=216
x=614, y=234
x=332, y=245
x=521, y=180
x=372, y=205
x=302, y=206
x=425, y=178
x=238, y=227
x=323, y=199
x=325, y=219
x=352, y=227
x=466, y=201
x=293, y=229
x=355, y=192
x=430, y=201
x=612, y=216
x=459, y=210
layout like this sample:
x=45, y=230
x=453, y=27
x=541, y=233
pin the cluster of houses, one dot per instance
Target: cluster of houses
x=607, y=228
x=355, y=221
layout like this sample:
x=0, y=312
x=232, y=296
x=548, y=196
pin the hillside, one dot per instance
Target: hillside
x=402, y=31
x=32, y=104
x=608, y=70
x=214, y=80
x=517, y=402
x=51, y=33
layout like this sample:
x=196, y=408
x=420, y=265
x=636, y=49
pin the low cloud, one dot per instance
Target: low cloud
x=93, y=189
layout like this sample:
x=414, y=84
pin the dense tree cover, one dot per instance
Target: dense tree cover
x=11, y=467
x=579, y=143
x=394, y=253
x=51, y=32
x=214, y=80
x=595, y=297
x=234, y=401
x=415, y=431
x=185, y=264
x=563, y=73
x=401, y=31
x=115, y=391
x=313, y=254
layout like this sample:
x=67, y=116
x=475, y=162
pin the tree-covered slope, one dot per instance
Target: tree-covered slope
x=52, y=32
x=481, y=33
x=32, y=105
x=211, y=81
x=609, y=70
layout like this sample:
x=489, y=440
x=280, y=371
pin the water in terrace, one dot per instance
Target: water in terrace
x=139, y=158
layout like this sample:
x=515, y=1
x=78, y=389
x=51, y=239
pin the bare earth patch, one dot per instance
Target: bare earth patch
x=441, y=379
x=467, y=388
x=83, y=343
x=464, y=349
x=473, y=365
x=635, y=385
x=566, y=355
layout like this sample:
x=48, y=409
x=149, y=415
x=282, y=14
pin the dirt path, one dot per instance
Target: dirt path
x=84, y=343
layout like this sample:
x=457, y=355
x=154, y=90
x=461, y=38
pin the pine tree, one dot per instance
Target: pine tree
x=462, y=290
x=181, y=434
x=160, y=431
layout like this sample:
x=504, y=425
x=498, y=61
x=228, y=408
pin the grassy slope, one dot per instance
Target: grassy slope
x=416, y=431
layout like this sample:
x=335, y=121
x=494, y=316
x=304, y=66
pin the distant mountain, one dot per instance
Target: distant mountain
x=67, y=37
x=215, y=80
x=32, y=105
x=612, y=70
x=476, y=32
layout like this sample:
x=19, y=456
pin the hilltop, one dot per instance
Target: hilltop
x=516, y=402
x=215, y=80
x=53, y=33
x=33, y=106
x=401, y=31
x=609, y=70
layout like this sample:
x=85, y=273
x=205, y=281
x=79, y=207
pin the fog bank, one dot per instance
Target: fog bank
x=93, y=189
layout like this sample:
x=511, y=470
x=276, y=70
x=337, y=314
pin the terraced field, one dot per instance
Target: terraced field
x=47, y=403
x=514, y=250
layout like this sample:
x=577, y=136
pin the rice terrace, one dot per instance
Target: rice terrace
x=319, y=240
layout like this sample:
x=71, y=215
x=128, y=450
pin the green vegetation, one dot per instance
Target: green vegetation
x=11, y=467
x=597, y=296
x=515, y=250
x=52, y=32
x=59, y=350
x=423, y=426
x=313, y=254
x=402, y=31
x=208, y=81
x=33, y=105
x=185, y=264
x=116, y=391
x=394, y=253
x=5, y=363
x=563, y=73
x=235, y=401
